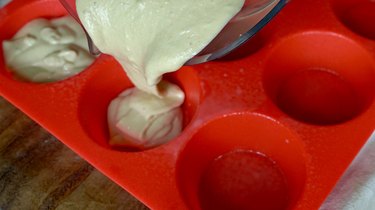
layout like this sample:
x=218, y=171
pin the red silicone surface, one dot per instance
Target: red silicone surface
x=271, y=126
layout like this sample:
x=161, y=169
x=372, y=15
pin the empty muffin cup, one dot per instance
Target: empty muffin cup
x=357, y=15
x=242, y=161
x=320, y=77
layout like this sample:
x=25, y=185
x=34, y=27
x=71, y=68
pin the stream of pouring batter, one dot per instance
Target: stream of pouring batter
x=150, y=38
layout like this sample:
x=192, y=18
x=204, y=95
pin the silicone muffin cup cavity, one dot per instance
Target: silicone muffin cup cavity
x=320, y=77
x=357, y=15
x=241, y=161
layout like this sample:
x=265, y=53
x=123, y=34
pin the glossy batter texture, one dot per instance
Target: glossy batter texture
x=150, y=38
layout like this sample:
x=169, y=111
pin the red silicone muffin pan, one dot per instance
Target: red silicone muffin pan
x=271, y=126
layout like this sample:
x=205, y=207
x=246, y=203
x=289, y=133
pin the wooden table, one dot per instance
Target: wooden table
x=39, y=172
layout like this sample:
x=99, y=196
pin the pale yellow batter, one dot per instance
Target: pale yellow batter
x=48, y=50
x=150, y=38
x=143, y=120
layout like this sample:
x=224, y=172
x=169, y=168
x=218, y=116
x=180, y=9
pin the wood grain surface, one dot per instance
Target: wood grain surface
x=39, y=172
